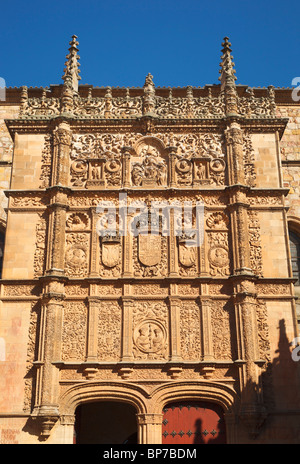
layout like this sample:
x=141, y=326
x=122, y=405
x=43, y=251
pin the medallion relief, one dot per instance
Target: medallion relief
x=150, y=330
x=77, y=254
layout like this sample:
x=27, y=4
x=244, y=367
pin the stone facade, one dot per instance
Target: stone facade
x=149, y=318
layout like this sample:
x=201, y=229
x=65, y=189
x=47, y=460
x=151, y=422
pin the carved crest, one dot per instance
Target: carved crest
x=110, y=254
x=187, y=254
x=149, y=249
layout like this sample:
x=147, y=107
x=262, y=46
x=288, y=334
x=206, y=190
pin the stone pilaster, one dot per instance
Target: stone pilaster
x=47, y=410
x=126, y=166
x=252, y=411
x=174, y=317
x=56, y=231
x=149, y=428
x=92, y=335
x=62, y=137
x=127, y=354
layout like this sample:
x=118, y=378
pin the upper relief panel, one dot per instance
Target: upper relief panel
x=123, y=160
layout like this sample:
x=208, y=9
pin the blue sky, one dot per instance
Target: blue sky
x=178, y=41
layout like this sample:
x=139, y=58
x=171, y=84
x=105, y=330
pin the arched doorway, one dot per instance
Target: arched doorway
x=193, y=422
x=105, y=422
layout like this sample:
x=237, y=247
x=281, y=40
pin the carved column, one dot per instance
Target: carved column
x=173, y=248
x=172, y=161
x=56, y=232
x=127, y=242
x=127, y=354
x=206, y=329
x=202, y=245
x=62, y=136
x=126, y=167
x=92, y=335
x=174, y=317
x=50, y=351
x=240, y=232
x=252, y=412
x=149, y=428
x=94, y=271
x=234, y=140
x=67, y=423
x=61, y=156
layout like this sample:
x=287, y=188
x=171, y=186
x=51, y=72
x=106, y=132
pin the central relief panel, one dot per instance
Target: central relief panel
x=115, y=160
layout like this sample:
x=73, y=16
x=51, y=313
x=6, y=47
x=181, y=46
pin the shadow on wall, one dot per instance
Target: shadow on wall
x=278, y=392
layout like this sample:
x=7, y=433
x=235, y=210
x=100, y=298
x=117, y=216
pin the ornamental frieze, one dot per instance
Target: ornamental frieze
x=132, y=103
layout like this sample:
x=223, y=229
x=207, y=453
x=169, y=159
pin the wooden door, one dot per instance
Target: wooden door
x=193, y=423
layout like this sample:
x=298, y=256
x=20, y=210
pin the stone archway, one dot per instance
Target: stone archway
x=121, y=398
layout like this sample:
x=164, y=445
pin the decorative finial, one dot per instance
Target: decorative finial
x=71, y=71
x=228, y=79
x=227, y=70
x=149, y=95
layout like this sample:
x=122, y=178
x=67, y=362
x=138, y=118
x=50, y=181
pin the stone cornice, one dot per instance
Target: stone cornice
x=43, y=124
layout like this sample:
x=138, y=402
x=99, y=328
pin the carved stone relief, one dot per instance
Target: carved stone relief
x=190, y=335
x=255, y=243
x=110, y=243
x=222, y=329
x=30, y=380
x=77, y=254
x=150, y=330
x=218, y=252
x=249, y=161
x=40, y=250
x=74, y=331
x=109, y=331
x=78, y=221
x=96, y=160
x=46, y=162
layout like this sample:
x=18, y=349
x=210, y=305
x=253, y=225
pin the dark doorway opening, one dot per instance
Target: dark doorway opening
x=193, y=422
x=105, y=422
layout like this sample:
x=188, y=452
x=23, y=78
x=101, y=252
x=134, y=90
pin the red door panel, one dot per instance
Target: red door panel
x=193, y=423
